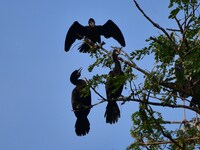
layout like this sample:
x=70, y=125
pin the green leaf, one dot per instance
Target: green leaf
x=173, y=13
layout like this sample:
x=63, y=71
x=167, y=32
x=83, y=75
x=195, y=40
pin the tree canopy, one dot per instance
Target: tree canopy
x=174, y=79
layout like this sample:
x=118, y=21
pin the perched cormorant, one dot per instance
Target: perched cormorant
x=80, y=103
x=114, y=89
x=93, y=33
x=185, y=84
x=180, y=78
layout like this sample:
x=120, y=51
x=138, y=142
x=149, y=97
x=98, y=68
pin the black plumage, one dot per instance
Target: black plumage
x=181, y=81
x=186, y=84
x=195, y=103
x=93, y=33
x=114, y=87
x=80, y=103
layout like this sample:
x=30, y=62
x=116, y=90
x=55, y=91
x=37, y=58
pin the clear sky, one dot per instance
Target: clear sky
x=35, y=99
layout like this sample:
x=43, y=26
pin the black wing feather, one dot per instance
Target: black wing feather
x=110, y=29
x=76, y=31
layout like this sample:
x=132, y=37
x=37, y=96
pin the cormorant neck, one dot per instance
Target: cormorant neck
x=117, y=63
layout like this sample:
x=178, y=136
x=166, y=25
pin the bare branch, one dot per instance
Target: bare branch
x=154, y=24
x=172, y=122
x=125, y=99
x=173, y=30
x=96, y=91
x=179, y=24
x=161, y=104
x=134, y=66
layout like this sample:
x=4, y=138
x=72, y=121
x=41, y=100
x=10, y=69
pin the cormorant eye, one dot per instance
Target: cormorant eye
x=92, y=24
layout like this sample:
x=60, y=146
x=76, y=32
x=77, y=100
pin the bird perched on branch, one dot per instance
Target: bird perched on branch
x=81, y=102
x=114, y=87
x=187, y=85
x=93, y=34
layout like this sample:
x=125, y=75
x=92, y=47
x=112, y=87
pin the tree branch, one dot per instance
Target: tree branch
x=161, y=129
x=96, y=91
x=166, y=105
x=167, y=142
x=154, y=24
x=125, y=99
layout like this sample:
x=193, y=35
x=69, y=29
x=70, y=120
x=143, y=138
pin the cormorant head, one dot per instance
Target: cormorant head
x=115, y=53
x=76, y=74
x=91, y=22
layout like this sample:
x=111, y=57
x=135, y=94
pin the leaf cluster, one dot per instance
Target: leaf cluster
x=146, y=128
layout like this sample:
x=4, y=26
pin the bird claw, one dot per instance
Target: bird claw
x=102, y=43
x=123, y=102
x=122, y=97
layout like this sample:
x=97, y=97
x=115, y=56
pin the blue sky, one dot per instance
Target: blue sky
x=35, y=99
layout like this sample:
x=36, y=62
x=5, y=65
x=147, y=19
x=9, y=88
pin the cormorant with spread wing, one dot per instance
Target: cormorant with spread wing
x=114, y=90
x=92, y=33
x=80, y=103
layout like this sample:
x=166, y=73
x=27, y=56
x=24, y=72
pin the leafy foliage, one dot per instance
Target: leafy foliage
x=180, y=46
x=175, y=76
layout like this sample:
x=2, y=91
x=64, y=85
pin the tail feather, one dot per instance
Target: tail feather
x=82, y=126
x=112, y=112
x=85, y=48
x=195, y=103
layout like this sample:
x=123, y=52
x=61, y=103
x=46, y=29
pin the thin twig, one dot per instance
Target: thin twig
x=104, y=99
x=179, y=24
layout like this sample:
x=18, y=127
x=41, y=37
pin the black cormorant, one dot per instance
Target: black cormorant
x=80, y=103
x=180, y=78
x=186, y=84
x=93, y=33
x=114, y=87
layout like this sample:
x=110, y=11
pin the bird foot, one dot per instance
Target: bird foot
x=122, y=97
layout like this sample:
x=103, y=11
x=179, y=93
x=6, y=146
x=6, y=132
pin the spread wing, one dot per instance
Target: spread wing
x=76, y=31
x=110, y=29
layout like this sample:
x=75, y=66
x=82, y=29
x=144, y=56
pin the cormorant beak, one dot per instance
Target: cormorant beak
x=117, y=51
x=91, y=24
x=80, y=69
